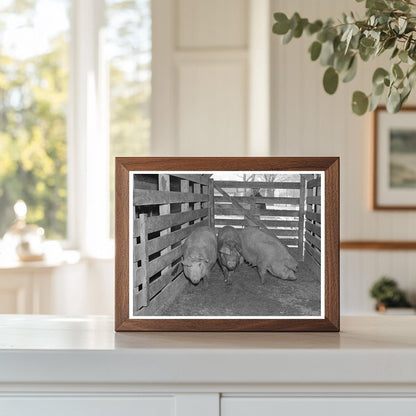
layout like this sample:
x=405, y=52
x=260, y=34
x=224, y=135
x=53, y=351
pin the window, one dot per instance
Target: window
x=33, y=98
x=75, y=87
x=129, y=43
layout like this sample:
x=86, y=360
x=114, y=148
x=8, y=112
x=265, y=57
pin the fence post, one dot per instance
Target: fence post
x=302, y=202
x=211, y=204
x=164, y=186
x=145, y=258
x=185, y=205
x=197, y=205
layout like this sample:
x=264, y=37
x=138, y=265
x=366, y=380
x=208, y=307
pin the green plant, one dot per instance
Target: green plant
x=387, y=292
x=389, y=26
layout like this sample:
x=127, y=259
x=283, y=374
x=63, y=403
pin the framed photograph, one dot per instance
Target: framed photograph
x=227, y=244
x=394, y=178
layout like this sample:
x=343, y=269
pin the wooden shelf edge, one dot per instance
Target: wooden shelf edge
x=377, y=245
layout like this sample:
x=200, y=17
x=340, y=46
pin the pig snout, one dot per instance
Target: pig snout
x=283, y=272
x=229, y=257
x=290, y=275
x=195, y=270
x=230, y=261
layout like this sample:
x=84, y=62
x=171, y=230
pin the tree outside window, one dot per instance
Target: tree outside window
x=34, y=93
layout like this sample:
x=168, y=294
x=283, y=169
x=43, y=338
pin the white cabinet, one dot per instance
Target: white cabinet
x=88, y=406
x=51, y=365
x=26, y=291
x=272, y=406
x=67, y=286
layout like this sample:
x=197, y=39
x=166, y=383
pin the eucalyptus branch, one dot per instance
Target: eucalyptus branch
x=388, y=25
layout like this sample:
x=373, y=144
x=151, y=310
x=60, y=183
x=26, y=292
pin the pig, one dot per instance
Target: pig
x=199, y=254
x=229, y=251
x=268, y=254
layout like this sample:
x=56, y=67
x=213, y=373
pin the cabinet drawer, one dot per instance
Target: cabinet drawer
x=274, y=406
x=87, y=406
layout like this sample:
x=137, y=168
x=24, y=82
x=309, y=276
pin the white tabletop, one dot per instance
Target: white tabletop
x=373, y=349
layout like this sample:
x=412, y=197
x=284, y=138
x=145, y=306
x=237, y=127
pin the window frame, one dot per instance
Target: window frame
x=87, y=128
x=87, y=133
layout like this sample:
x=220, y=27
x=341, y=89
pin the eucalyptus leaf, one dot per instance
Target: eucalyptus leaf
x=408, y=42
x=376, y=4
x=322, y=36
x=294, y=21
x=327, y=54
x=379, y=75
x=395, y=52
x=355, y=41
x=403, y=56
x=330, y=80
x=402, y=23
x=400, y=5
x=389, y=43
x=288, y=37
x=374, y=101
x=346, y=34
x=282, y=26
x=412, y=52
x=412, y=70
x=350, y=73
x=298, y=30
x=341, y=62
x=314, y=27
x=350, y=18
x=404, y=96
x=315, y=50
x=397, y=71
x=351, y=32
x=359, y=103
x=393, y=101
x=366, y=53
x=411, y=78
x=378, y=89
x=367, y=42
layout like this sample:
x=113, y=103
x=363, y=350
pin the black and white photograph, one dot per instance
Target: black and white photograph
x=403, y=158
x=226, y=244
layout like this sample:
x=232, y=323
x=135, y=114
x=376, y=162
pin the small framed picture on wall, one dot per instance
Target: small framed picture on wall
x=394, y=147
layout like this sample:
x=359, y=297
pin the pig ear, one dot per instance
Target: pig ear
x=186, y=262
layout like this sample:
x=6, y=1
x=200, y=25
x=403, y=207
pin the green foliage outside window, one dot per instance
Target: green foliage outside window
x=34, y=103
x=129, y=43
x=33, y=99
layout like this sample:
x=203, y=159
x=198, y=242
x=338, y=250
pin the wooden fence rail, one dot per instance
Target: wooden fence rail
x=313, y=231
x=277, y=210
x=257, y=185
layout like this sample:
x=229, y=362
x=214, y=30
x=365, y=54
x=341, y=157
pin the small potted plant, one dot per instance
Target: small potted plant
x=387, y=294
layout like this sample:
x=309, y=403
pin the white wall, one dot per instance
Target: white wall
x=200, y=77
x=308, y=122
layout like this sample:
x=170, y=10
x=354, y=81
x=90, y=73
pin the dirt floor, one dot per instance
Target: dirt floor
x=248, y=297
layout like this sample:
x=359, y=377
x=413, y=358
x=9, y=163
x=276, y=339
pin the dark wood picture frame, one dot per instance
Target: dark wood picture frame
x=328, y=165
x=376, y=205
